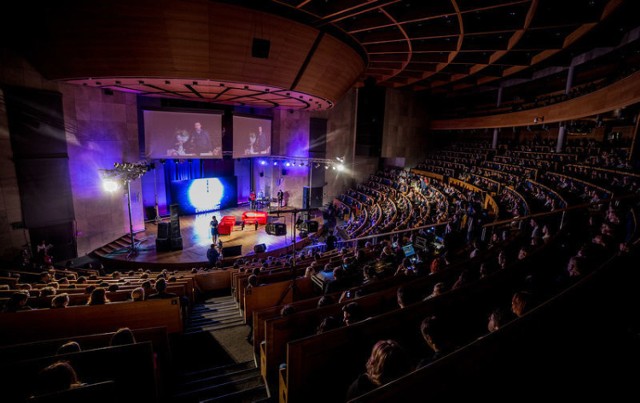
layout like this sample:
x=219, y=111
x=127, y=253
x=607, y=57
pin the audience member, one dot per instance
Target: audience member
x=122, y=337
x=98, y=297
x=435, y=335
x=56, y=377
x=69, y=347
x=60, y=301
x=388, y=361
x=138, y=294
x=17, y=302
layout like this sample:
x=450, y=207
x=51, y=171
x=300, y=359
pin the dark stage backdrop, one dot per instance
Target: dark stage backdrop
x=204, y=194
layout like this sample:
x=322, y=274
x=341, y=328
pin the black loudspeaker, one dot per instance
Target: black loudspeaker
x=163, y=245
x=175, y=221
x=230, y=251
x=176, y=243
x=311, y=197
x=260, y=48
x=260, y=248
x=276, y=229
x=164, y=230
x=311, y=226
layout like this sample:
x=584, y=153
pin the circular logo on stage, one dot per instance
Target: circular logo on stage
x=206, y=194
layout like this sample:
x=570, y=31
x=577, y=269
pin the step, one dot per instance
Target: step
x=219, y=390
x=215, y=315
x=121, y=243
x=213, y=371
x=256, y=394
x=207, y=328
x=217, y=379
x=215, y=321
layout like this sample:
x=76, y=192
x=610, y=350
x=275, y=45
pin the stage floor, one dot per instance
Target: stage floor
x=196, y=238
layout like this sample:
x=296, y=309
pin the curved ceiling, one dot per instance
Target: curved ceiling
x=455, y=44
x=204, y=50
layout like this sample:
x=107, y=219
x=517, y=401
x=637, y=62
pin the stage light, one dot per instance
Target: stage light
x=275, y=163
x=301, y=164
x=317, y=165
x=287, y=164
x=326, y=167
x=110, y=185
x=263, y=162
x=340, y=167
x=333, y=167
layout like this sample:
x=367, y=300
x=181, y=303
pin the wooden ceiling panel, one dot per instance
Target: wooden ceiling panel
x=317, y=47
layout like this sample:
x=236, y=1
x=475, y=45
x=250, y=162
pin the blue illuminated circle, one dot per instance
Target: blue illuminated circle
x=206, y=194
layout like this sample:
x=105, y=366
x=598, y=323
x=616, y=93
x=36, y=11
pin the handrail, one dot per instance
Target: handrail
x=563, y=210
x=584, y=182
x=613, y=171
x=548, y=189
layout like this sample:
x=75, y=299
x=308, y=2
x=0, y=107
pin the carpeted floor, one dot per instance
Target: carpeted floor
x=233, y=341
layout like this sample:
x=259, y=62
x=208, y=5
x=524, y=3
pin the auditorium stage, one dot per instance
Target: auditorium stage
x=196, y=239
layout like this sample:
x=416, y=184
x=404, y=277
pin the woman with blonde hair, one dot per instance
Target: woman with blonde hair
x=388, y=361
x=98, y=297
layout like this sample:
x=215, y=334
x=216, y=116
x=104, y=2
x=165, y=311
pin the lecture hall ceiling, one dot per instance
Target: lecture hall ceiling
x=202, y=50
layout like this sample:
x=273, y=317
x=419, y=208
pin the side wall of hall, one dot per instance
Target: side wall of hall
x=100, y=130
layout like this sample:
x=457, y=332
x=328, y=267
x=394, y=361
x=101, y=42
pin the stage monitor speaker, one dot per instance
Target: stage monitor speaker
x=231, y=251
x=163, y=245
x=276, y=229
x=176, y=243
x=164, y=230
x=260, y=48
x=260, y=248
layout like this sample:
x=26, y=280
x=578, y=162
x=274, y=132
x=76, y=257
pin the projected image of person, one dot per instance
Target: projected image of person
x=200, y=141
x=262, y=141
x=252, y=149
x=258, y=143
x=182, y=137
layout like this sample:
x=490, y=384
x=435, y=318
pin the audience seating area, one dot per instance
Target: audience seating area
x=486, y=246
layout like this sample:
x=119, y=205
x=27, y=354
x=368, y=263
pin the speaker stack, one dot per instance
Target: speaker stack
x=169, y=237
x=260, y=248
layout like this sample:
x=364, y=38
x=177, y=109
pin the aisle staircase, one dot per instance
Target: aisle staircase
x=120, y=245
x=209, y=370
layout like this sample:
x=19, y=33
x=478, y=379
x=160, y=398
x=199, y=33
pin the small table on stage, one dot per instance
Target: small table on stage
x=262, y=203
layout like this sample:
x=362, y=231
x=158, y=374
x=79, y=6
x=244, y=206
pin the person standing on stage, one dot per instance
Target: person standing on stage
x=214, y=229
x=280, y=197
x=252, y=199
